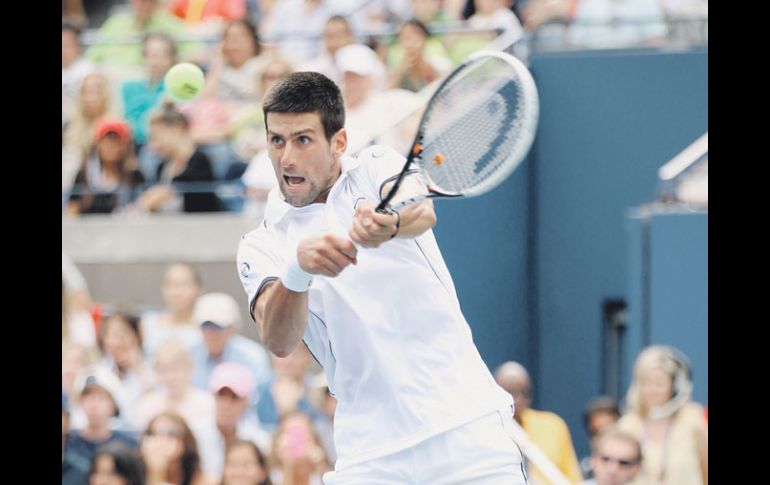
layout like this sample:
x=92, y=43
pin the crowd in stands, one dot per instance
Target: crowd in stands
x=178, y=395
x=117, y=118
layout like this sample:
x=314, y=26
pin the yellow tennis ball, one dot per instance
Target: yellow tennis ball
x=184, y=81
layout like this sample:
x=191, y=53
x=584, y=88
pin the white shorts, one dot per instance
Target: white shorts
x=481, y=452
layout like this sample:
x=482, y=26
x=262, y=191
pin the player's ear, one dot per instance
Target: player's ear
x=339, y=143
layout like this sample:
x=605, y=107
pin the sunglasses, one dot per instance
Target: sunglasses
x=623, y=463
x=173, y=433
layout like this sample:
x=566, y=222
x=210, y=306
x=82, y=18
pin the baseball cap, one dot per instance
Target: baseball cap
x=236, y=377
x=99, y=379
x=359, y=59
x=218, y=308
x=116, y=126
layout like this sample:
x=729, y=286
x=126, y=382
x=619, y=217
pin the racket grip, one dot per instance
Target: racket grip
x=405, y=203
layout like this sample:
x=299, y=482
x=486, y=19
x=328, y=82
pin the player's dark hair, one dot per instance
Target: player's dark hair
x=307, y=92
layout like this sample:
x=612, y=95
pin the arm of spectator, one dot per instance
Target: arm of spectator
x=154, y=198
x=537, y=12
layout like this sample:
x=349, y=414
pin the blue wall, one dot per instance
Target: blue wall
x=609, y=120
x=484, y=242
x=668, y=278
x=534, y=259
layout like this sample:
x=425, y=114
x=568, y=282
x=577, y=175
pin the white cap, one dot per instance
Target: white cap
x=359, y=59
x=218, y=308
x=99, y=378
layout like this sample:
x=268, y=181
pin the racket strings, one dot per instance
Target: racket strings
x=472, y=126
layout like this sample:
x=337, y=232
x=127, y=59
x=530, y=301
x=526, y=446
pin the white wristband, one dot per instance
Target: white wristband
x=295, y=278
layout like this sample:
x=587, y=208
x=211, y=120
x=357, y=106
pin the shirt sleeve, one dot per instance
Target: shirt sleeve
x=382, y=165
x=259, y=262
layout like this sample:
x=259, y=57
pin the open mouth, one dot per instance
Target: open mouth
x=290, y=181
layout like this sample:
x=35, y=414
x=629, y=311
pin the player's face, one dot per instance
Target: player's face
x=306, y=164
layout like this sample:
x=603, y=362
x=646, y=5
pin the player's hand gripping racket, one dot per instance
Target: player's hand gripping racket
x=476, y=129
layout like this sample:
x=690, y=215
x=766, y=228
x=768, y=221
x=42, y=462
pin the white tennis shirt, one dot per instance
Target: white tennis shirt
x=397, y=351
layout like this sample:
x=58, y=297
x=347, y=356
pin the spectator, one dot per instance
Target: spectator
x=599, y=414
x=92, y=104
x=231, y=84
x=370, y=111
x=142, y=97
x=660, y=414
x=496, y=14
x=538, y=12
x=234, y=71
x=288, y=391
x=76, y=361
x=323, y=401
x=176, y=393
x=97, y=398
x=109, y=179
x=497, y=17
x=121, y=342
x=184, y=163
x=336, y=35
x=72, y=12
x=249, y=138
x=115, y=464
x=298, y=457
x=195, y=12
x=120, y=34
x=74, y=68
x=180, y=288
x=430, y=12
x=77, y=322
x=293, y=27
x=170, y=452
x=412, y=67
x=219, y=317
x=247, y=129
x=546, y=429
x=74, y=470
x=232, y=386
x=245, y=464
x=616, y=458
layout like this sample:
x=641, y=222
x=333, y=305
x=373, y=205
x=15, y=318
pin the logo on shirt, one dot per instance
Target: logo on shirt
x=245, y=269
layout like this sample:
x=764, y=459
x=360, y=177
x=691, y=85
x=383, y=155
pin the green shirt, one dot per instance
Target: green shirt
x=119, y=28
x=139, y=100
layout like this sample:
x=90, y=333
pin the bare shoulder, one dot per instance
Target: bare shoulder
x=694, y=414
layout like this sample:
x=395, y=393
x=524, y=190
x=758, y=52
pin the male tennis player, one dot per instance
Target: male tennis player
x=416, y=404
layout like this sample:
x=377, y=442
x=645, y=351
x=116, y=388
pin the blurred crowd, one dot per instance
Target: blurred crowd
x=178, y=395
x=128, y=148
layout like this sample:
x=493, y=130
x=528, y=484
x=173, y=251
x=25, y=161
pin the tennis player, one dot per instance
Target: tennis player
x=416, y=403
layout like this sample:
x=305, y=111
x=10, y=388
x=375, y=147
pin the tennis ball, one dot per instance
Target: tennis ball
x=184, y=81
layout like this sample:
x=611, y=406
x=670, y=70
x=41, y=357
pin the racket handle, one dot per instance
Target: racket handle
x=407, y=202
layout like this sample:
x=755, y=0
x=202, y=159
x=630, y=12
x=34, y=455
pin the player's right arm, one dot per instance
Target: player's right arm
x=280, y=313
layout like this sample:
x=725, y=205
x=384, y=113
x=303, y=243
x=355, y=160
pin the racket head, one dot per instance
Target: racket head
x=478, y=126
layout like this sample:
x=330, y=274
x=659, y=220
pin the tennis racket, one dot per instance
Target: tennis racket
x=476, y=129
